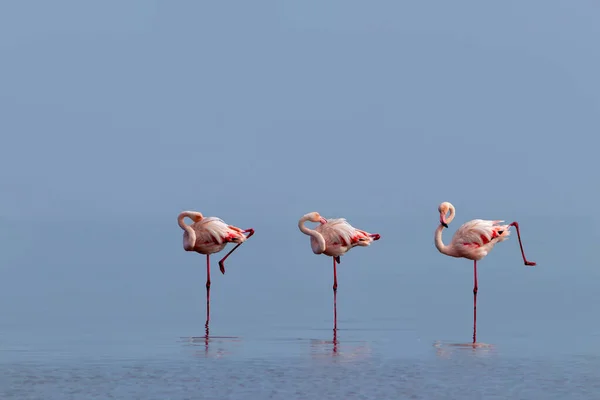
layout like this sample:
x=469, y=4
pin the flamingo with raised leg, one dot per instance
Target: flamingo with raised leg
x=209, y=235
x=473, y=241
x=334, y=238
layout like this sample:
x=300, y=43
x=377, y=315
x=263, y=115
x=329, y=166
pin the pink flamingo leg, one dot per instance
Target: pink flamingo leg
x=334, y=314
x=334, y=296
x=475, y=302
x=250, y=232
x=334, y=305
x=207, y=288
x=529, y=263
x=334, y=278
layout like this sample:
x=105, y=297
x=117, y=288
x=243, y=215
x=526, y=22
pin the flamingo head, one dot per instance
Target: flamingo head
x=316, y=217
x=196, y=216
x=444, y=208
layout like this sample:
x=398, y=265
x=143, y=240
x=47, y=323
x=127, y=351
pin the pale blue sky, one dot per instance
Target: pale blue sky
x=278, y=108
x=122, y=113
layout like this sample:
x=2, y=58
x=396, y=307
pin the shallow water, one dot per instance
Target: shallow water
x=371, y=362
x=127, y=324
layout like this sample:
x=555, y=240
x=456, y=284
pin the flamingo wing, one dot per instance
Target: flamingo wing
x=212, y=230
x=235, y=228
x=362, y=236
x=479, y=232
x=337, y=232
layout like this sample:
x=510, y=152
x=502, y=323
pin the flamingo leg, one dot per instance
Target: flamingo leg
x=334, y=278
x=529, y=263
x=334, y=305
x=250, y=232
x=207, y=288
x=475, y=302
x=334, y=314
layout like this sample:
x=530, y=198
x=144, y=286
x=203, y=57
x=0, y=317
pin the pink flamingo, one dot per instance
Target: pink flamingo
x=334, y=238
x=473, y=240
x=207, y=236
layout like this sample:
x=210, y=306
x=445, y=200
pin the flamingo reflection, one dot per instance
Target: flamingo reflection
x=208, y=341
x=356, y=353
x=444, y=350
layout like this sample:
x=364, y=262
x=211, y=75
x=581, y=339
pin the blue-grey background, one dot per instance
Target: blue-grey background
x=117, y=115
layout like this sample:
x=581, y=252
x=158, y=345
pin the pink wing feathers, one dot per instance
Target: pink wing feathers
x=339, y=232
x=211, y=230
x=479, y=232
x=336, y=231
x=213, y=234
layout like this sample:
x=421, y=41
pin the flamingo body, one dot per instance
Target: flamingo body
x=334, y=238
x=476, y=238
x=211, y=235
x=340, y=237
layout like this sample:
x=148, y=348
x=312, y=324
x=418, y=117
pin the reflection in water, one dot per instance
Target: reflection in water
x=335, y=320
x=329, y=348
x=207, y=339
x=222, y=342
x=445, y=350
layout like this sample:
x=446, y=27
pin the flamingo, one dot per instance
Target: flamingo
x=334, y=238
x=473, y=241
x=208, y=236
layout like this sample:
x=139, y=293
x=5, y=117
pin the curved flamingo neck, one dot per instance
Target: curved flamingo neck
x=191, y=235
x=313, y=233
x=439, y=244
x=452, y=214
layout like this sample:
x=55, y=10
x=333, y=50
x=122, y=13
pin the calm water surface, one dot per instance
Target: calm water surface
x=123, y=324
x=371, y=362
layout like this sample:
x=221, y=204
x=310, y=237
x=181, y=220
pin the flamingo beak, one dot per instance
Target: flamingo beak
x=443, y=221
x=322, y=220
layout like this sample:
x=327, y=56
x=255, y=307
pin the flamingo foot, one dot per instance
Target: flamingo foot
x=530, y=263
x=250, y=232
x=376, y=236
